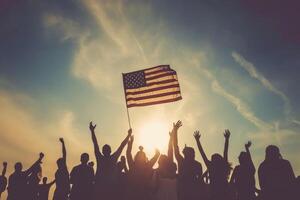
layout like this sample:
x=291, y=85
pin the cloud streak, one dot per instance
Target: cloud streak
x=254, y=73
x=240, y=106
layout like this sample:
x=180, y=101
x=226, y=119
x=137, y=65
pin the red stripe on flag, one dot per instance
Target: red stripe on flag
x=157, y=72
x=153, y=89
x=160, y=76
x=154, y=102
x=152, y=96
x=162, y=82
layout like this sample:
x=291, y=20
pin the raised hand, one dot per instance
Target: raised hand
x=227, y=134
x=248, y=145
x=177, y=125
x=92, y=127
x=41, y=156
x=130, y=132
x=131, y=139
x=197, y=135
x=61, y=140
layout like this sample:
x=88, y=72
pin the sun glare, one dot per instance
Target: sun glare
x=153, y=135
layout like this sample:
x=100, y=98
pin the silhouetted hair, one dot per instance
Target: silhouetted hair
x=163, y=159
x=91, y=164
x=45, y=180
x=140, y=156
x=188, y=152
x=84, y=158
x=243, y=157
x=220, y=164
x=60, y=162
x=272, y=153
x=18, y=166
x=106, y=150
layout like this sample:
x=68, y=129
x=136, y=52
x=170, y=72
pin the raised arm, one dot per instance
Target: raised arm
x=233, y=176
x=153, y=160
x=35, y=164
x=176, y=126
x=128, y=152
x=64, y=151
x=94, y=139
x=4, y=168
x=227, y=136
x=51, y=183
x=203, y=155
x=170, y=148
x=247, y=146
x=117, y=154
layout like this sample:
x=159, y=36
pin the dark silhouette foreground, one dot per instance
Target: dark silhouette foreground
x=113, y=180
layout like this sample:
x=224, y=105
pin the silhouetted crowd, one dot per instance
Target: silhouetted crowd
x=134, y=178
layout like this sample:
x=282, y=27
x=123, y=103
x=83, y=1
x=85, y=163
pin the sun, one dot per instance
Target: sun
x=153, y=135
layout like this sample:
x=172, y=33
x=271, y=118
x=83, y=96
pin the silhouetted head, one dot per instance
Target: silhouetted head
x=189, y=153
x=60, y=163
x=84, y=158
x=91, y=164
x=216, y=159
x=140, y=157
x=272, y=153
x=163, y=160
x=220, y=166
x=45, y=180
x=243, y=158
x=106, y=150
x=18, y=167
x=123, y=159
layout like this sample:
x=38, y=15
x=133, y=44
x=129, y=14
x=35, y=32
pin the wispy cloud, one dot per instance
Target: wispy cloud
x=240, y=106
x=67, y=28
x=254, y=73
x=23, y=134
x=275, y=132
x=296, y=122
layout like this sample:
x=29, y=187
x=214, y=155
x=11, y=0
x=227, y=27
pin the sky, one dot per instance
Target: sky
x=61, y=62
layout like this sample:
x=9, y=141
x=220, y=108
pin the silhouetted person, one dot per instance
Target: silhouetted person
x=276, y=176
x=243, y=176
x=17, y=182
x=218, y=169
x=3, y=179
x=33, y=183
x=297, y=188
x=122, y=179
x=164, y=179
x=189, y=170
x=62, y=179
x=105, y=178
x=81, y=178
x=43, y=189
x=140, y=172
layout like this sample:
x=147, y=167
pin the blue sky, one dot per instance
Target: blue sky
x=61, y=64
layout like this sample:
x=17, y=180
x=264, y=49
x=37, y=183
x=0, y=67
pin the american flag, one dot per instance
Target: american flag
x=151, y=86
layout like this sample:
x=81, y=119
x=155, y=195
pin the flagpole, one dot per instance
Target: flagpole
x=128, y=116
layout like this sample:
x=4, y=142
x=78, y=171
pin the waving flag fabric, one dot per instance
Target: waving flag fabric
x=151, y=86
